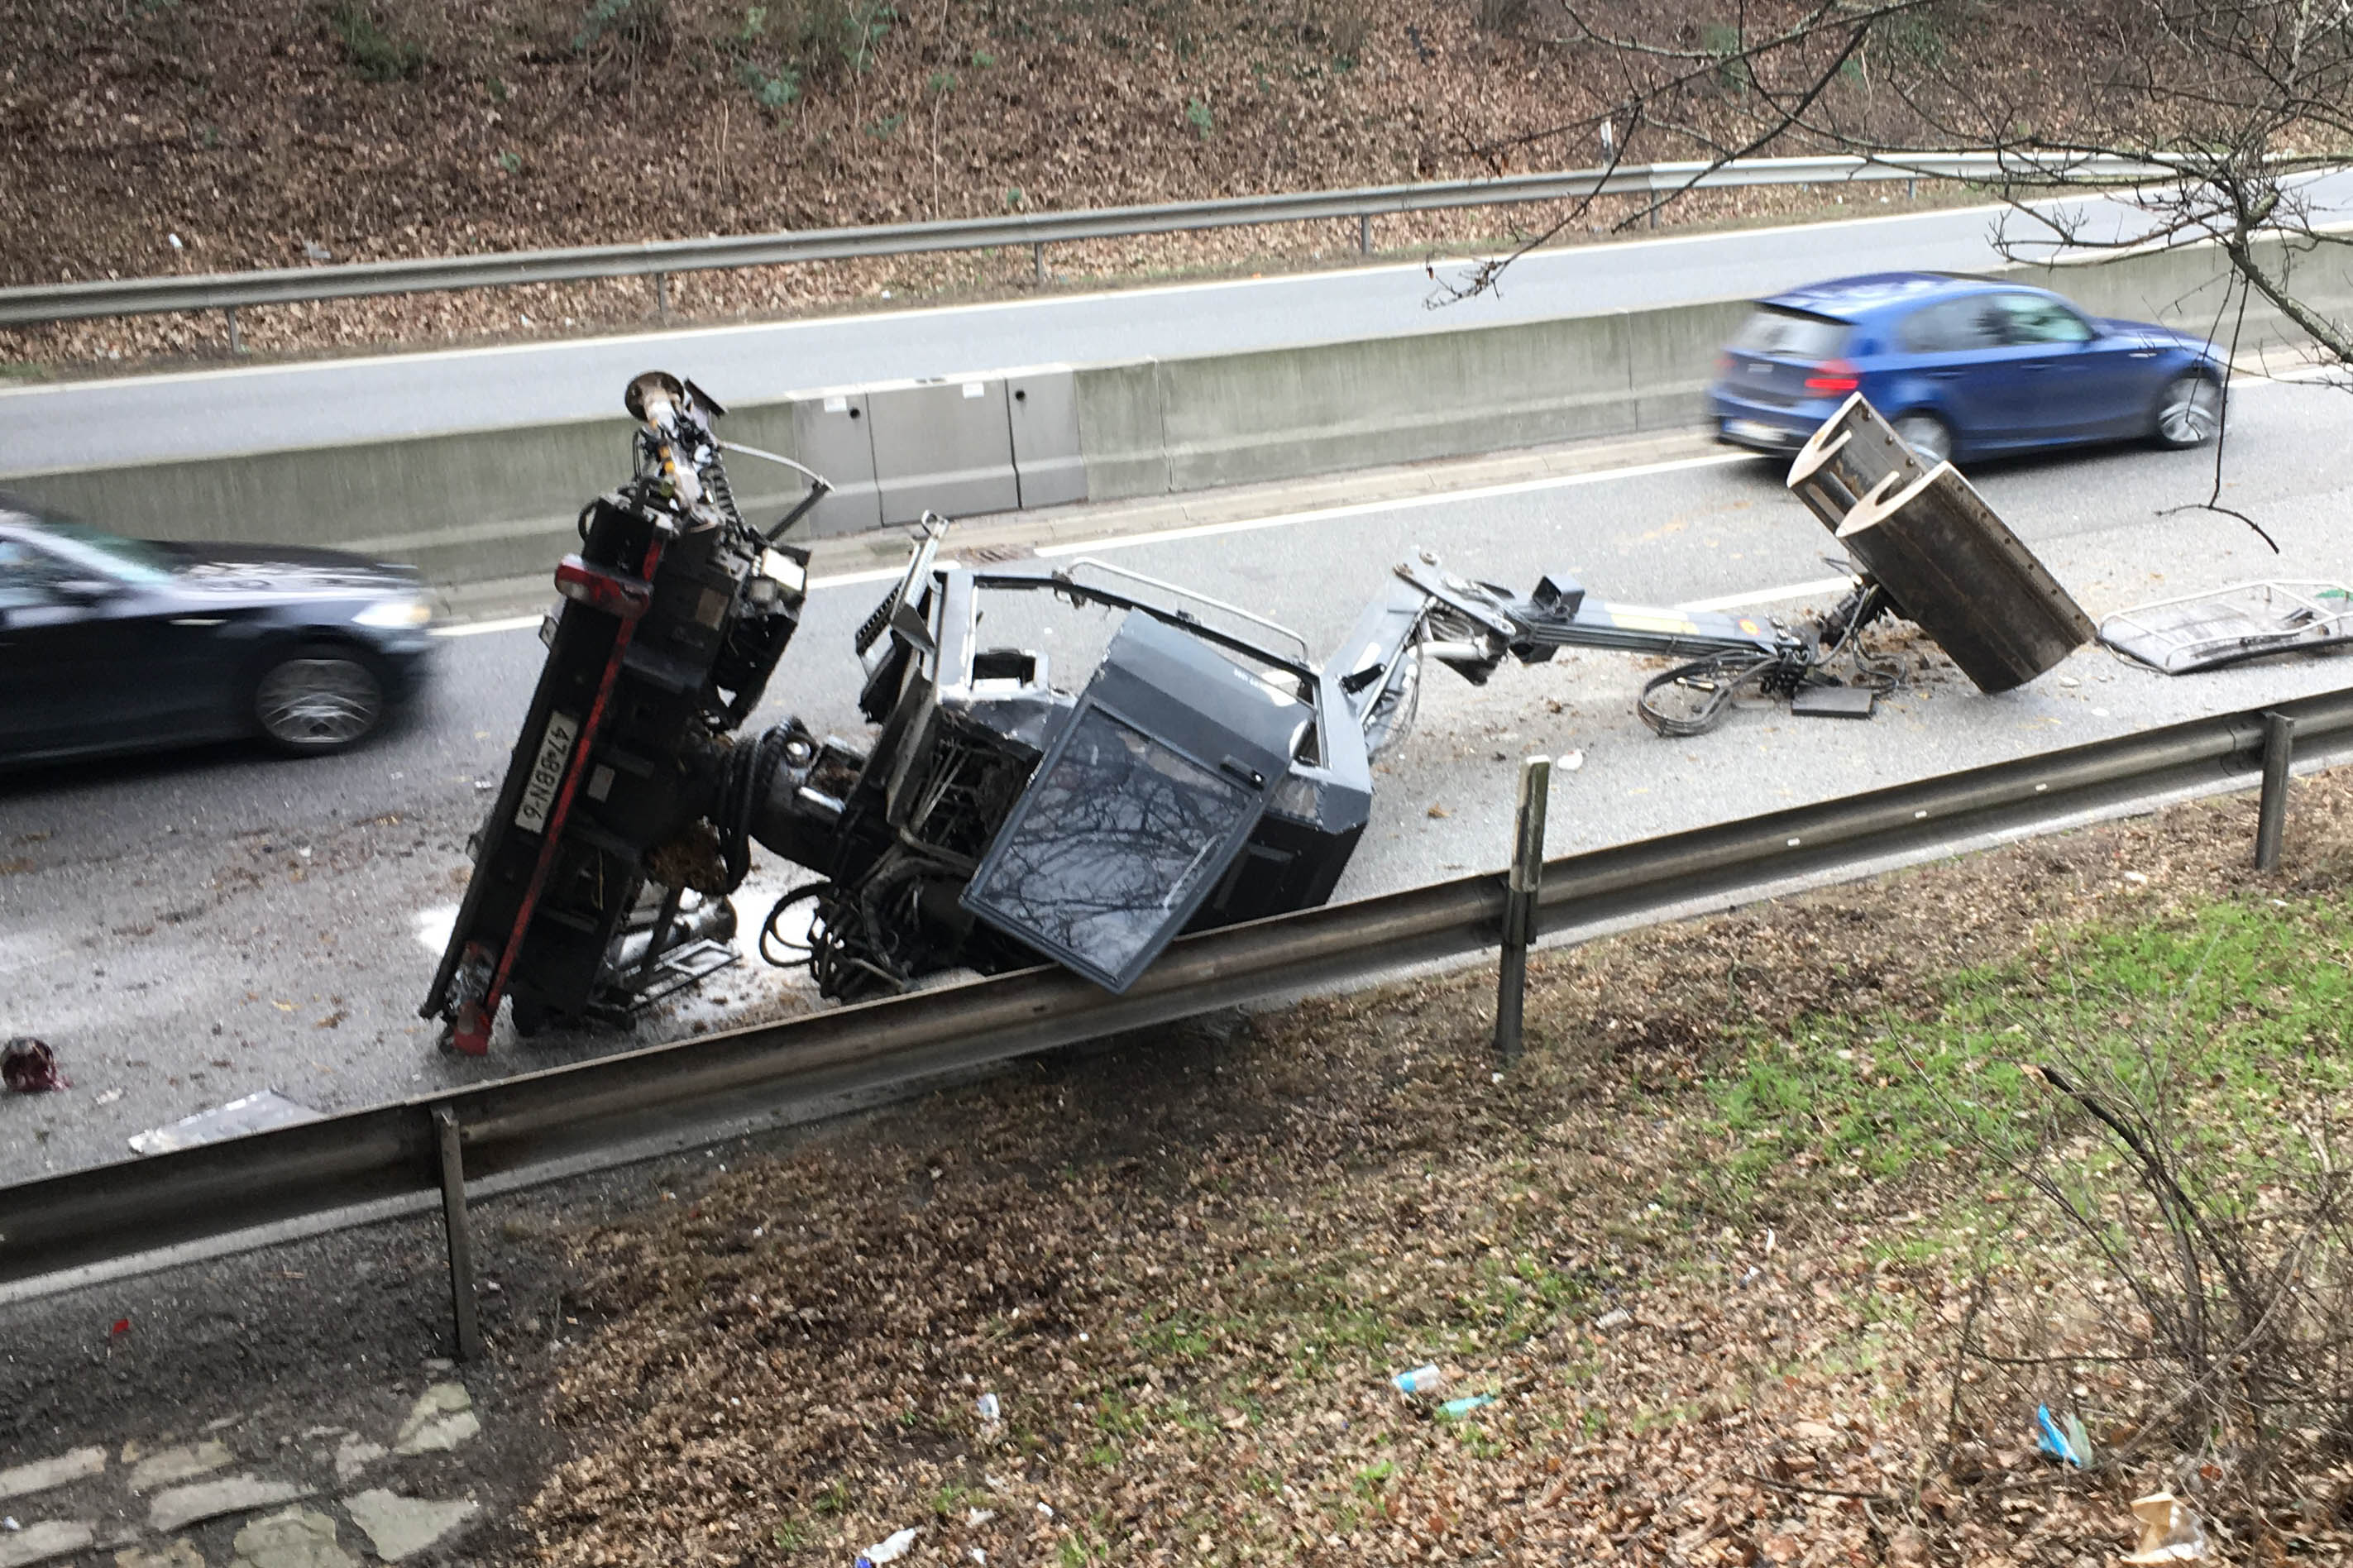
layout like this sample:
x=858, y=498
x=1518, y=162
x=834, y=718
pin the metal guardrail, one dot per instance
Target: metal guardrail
x=544, y=1121
x=39, y=303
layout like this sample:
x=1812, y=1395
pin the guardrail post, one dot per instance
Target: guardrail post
x=1364, y=234
x=661, y=294
x=2271, y=814
x=1911, y=189
x=461, y=1234
x=1037, y=262
x=235, y=345
x=1520, y=888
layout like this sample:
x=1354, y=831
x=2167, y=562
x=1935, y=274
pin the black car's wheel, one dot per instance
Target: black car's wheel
x=1928, y=436
x=315, y=700
x=2188, y=412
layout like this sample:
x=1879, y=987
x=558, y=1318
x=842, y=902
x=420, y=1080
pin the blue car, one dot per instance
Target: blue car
x=1963, y=367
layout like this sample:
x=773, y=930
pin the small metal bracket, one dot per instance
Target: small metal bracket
x=461, y=1236
x=2271, y=814
x=1521, y=885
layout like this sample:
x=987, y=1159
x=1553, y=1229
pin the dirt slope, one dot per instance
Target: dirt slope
x=281, y=132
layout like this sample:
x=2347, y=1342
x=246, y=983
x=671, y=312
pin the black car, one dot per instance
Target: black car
x=110, y=644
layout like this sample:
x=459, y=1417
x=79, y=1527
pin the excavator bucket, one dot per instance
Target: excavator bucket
x=1945, y=562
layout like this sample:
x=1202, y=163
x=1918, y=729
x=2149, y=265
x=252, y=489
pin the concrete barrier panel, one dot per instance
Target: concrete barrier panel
x=1121, y=437
x=833, y=432
x=944, y=445
x=1048, y=462
x=1280, y=413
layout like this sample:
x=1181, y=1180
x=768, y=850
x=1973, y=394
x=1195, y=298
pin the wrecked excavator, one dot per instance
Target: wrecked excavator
x=1205, y=770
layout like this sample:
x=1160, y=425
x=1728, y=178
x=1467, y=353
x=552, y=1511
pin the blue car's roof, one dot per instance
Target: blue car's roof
x=1854, y=299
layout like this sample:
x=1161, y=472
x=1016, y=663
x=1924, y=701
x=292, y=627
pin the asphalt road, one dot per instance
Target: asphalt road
x=273, y=407
x=187, y=929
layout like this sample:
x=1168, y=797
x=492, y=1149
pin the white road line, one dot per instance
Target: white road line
x=1814, y=589
x=482, y=629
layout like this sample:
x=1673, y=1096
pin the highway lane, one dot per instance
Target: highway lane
x=192, y=929
x=272, y=407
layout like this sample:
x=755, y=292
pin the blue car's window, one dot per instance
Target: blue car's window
x=1955, y=326
x=2037, y=319
x=1788, y=334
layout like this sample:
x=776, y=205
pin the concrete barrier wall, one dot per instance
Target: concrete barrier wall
x=483, y=504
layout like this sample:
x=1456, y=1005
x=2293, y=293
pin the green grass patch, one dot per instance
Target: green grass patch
x=2243, y=1000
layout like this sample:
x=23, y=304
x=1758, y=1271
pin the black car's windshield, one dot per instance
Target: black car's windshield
x=124, y=560
x=1788, y=334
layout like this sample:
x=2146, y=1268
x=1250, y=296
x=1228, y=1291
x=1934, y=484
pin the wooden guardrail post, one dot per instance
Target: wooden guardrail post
x=2271, y=813
x=1521, y=885
x=461, y=1233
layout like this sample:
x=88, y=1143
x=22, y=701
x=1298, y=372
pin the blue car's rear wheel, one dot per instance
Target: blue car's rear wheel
x=2188, y=411
x=1929, y=438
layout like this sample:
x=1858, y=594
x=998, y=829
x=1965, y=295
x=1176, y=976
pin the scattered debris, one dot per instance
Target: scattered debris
x=1420, y=1380
x=889, y=1550
x=1455, y=1409
x=351, y=1456
x=2170, y=1532
x=2232, y=625
x=173, y=1465
x=210, y=1500
x=180, y=1554
x=264, y=1111
x=42, y=1474
x=398, y=1527
x=298, y=1538
x=991, y=1411
x=38, y=1542
x=1616, y=1318
x=2052, y=1440
x=443, y=1418
x=27, y=1066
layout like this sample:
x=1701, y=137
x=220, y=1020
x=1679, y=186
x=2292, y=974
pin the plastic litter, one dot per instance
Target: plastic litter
x=1455, y=1409
x=2055, y=1441
x=890, y=1549
x=2170, y=1530
x=27, y=1066
x=1616, y=1318
x=990, y=1410
x=1423, y=1379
